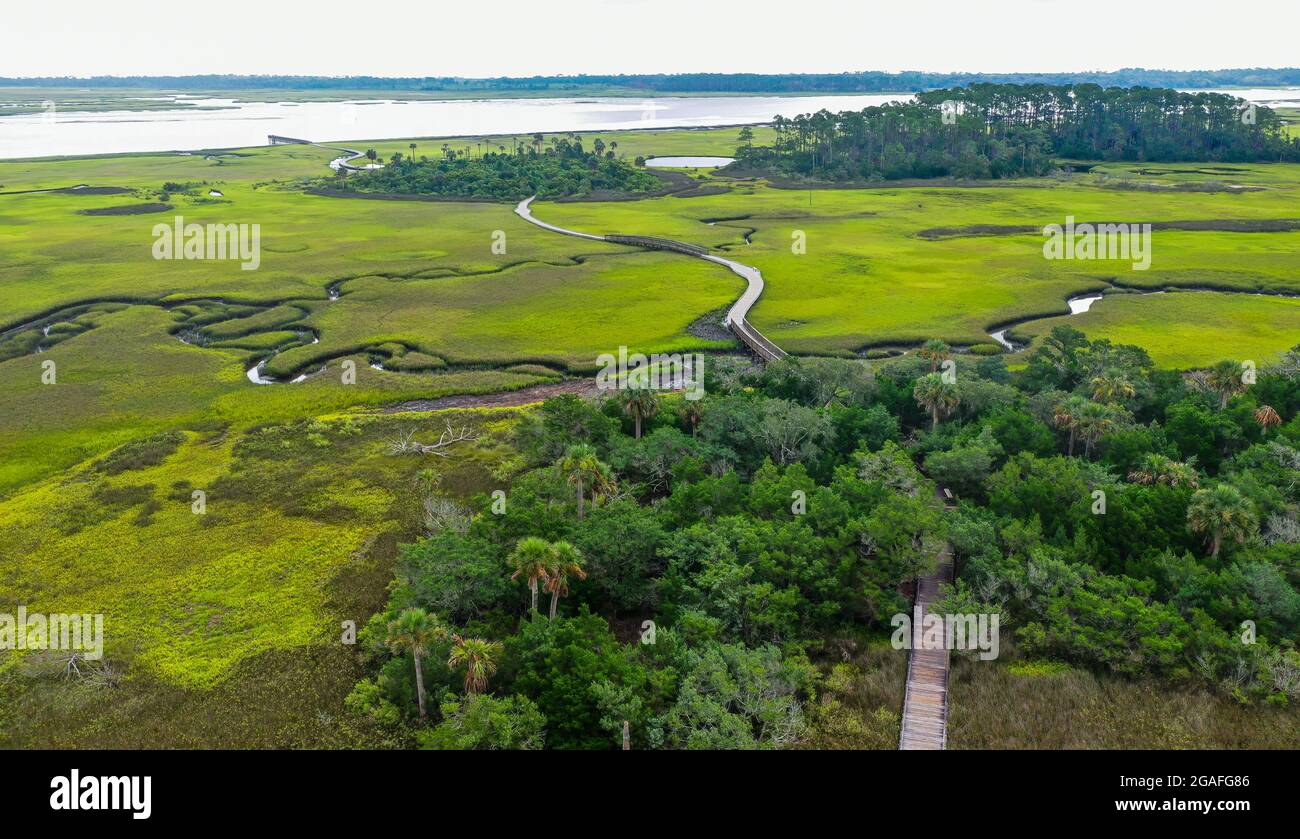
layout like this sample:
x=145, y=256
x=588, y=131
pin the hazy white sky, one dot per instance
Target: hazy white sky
x=514, y=37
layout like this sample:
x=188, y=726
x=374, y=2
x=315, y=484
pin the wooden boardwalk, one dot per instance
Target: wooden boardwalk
x=737, y=319
x=925, y=705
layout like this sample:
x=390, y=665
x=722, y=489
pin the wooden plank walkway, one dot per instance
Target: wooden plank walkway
x=925, y=705
x=737, y=319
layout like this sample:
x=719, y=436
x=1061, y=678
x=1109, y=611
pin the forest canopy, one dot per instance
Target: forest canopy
x=773, y=527
x=1000, y=131
x=562, y=168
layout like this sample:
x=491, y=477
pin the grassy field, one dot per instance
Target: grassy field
x=224, y=625
x=1180, y=329
x=419, y=279
x=868, y=276
x=297, y=532
x=1015, y=704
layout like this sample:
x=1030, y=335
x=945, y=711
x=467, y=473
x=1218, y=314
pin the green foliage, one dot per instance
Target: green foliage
x=1004, y=130
x=966, y=467
x=561, y=665
x=734, y=697
x=140, y=454
x=562, y=170
x=1110, y=621
x=485, y=722
x=461, y=577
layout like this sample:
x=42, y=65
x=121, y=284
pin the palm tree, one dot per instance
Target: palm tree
x=936, y=396
x=529, y=559
x=1158, y=469
x=1267, y=417
x=372, y=155
x=565, y=559
x=1225, y=379
x=934, y=351
x=1093, y=422
x=583, y=470
x=1112, y=386
x=412, y=148
x=693, y=412
x=479, y=658
x=1218, y=512
x=414, y=630
x=641, y=403
x=1065, y=415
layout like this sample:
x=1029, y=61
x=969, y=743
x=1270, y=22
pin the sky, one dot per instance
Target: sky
x=517, y=38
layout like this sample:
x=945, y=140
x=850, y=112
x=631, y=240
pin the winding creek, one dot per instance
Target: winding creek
x=736, y=319
x=1078, y=305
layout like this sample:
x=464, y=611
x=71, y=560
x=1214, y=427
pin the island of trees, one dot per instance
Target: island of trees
x=999, y=131
x=560, y=167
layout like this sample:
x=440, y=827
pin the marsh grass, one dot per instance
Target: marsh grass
x=1043, y=705
x=859, y=702
x=224, y=627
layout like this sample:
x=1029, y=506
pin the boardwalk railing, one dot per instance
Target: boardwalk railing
x=925, y=703
x=656, y=244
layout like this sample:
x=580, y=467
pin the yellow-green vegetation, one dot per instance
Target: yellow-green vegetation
x=416, y=279
x=858, y=703
x=206, y=549
x=228, y=621
x=1188, y=328
x=896, y=265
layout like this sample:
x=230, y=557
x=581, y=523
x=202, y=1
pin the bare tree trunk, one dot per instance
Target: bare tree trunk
x=638, y=425
x=555, y=599
x=419, y=684
x=579, y=505
x=532, y=587
x=1218, y=542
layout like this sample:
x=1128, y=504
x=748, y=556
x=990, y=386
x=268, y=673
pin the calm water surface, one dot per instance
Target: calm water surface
x=226, y=123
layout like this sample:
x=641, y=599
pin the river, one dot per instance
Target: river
x=208, y=123
x=228, y=123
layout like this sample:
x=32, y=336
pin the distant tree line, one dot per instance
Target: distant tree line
x=860, y=82
x=997, y=131
x=564, y=167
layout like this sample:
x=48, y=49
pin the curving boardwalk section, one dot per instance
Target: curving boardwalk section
x=925, y=705
x=737, y=316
